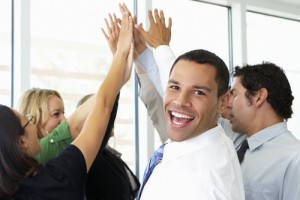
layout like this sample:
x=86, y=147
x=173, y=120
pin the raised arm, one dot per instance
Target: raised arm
x=159, y=36
x=155, y=112
x=153, y=102
x=91, y=135
x=144, y=56
x=78, y=117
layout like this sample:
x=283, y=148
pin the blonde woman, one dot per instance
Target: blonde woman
x=55, y=132
x=46, y=105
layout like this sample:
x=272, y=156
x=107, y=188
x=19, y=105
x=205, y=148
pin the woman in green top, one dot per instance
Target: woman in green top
x=54, y=131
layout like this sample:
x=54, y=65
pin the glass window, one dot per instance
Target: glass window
x=197, y=25
x=5, y=51
x=276, y=40
x=70, y=54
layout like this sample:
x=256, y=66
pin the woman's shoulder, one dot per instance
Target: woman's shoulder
x=66, y=172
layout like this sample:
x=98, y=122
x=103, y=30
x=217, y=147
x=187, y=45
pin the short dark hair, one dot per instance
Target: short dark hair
x=271, y=77
x=84, y=99
x=15, y=165
x=111, y=122
x=201, y=56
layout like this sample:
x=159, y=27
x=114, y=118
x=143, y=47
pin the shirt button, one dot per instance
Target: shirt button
x=51, y=141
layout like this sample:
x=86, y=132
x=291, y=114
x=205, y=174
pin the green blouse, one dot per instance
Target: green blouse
x=55, y=143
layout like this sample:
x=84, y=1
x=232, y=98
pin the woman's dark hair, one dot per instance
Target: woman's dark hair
x=15, y=165
x=201, y=56
x=271, y=77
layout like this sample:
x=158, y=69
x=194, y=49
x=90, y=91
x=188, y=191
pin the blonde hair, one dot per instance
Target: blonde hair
x=35, y=101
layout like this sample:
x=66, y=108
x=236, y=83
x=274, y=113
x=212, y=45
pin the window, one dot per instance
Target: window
x=5, y=51
x=70, y=54
x=197, y=25
x=276, y=40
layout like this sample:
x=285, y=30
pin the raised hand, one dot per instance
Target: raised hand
x=139, y=41
x=113, y=31
x=158, y=33
x=125, y=43
x=92, y=133
x=123, y=8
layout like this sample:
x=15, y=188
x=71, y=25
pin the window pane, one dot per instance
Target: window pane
x=277, y=40
x=197, y=25
x=70, y=54
x=5, y=52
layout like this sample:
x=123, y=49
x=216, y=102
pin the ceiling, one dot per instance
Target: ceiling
x=291, y=2
x=283, y=8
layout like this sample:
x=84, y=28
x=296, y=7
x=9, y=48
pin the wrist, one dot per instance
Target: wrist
x=120, y=54
x=140, y=48
x=160, y=44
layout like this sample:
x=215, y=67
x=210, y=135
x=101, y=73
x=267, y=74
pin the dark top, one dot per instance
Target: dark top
x=61, y=178
x=108, y=179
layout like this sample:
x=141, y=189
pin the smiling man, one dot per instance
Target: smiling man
x=199, y=161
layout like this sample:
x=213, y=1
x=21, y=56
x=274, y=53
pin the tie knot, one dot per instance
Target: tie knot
x=159, y=153
x=245, y=145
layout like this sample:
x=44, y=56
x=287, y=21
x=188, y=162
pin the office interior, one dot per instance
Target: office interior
x=58, y=44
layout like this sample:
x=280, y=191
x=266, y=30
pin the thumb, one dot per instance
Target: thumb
x=140, y=28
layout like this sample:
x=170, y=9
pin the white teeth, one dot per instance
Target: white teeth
x=178, y=123
x=181, y=115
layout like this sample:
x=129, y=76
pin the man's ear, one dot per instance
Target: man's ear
x=22, y=142
x=223, y=102
x=260, y=97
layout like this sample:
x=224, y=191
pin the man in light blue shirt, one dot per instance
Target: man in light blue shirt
x=261, y=102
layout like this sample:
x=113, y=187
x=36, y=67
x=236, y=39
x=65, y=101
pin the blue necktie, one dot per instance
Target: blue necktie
x=154, y=160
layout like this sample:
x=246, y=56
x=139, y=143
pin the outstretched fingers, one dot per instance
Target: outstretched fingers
x=112, y=33
x=169, y=24
x=162, y=17
x=106, y=35
x=129, y=63
x=123, y=8
x=126, y=33
x=151, y=19
x=115, y=22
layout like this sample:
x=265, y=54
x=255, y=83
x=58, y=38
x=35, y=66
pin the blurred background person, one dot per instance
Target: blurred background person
x=109, y=177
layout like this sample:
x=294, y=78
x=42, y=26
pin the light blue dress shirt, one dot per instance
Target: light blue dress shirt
x=271, y=166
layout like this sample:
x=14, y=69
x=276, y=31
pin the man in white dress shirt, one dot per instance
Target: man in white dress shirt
x=199, y=160
x=260, y=104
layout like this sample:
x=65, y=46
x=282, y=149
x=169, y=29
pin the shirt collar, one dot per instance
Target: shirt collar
x=174, y=150
x=266, y=134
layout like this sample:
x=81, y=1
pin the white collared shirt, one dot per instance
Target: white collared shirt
x=203, y=167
